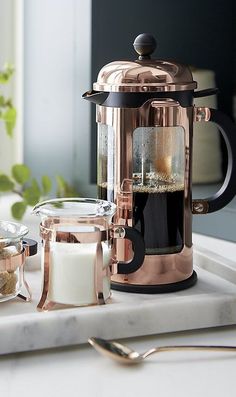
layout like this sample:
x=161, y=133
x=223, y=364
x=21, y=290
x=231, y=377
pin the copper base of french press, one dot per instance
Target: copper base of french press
x=156, y=289
x=159, y=274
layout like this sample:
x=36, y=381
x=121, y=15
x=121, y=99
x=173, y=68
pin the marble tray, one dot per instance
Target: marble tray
x=211, y=302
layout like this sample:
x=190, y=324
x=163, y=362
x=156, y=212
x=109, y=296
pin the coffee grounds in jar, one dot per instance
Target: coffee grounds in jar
x=8, y=279
x=8, y=282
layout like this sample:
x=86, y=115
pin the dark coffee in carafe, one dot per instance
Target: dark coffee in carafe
x=158, y=215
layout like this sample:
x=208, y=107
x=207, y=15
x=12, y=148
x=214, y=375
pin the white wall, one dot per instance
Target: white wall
x=56, y=73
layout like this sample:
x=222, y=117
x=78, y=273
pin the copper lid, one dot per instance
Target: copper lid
x=144, y=74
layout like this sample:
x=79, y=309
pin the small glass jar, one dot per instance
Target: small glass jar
x=13, y=250
x=78, y=254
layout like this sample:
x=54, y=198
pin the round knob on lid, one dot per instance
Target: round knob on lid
x=144, y=45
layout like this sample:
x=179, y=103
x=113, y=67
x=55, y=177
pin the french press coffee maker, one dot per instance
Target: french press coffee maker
x=145, y=118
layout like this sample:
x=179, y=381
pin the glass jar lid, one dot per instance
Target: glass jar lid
x=144, y=74
x=75, y=207
x=11, y=231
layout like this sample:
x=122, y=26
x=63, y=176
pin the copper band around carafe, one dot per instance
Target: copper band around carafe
x=73, y=237
x=160, y=269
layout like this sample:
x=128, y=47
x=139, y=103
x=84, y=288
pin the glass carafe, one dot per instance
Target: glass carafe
x=158, y=187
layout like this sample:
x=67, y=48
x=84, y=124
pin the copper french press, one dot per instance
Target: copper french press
x=145, y=117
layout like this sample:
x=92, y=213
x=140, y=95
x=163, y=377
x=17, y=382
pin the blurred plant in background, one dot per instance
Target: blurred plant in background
x=7, y=110
x=20, y=181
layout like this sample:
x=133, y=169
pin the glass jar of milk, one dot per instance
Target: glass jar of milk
x=78, y=253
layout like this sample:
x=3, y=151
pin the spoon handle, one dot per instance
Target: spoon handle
x=189, y=347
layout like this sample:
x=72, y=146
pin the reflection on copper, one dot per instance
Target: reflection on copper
x=136, y=76
x=46, y=263
x=99, y=274
x=28, y=296
x=160, y=269
x=202, y=114
x=11, y=263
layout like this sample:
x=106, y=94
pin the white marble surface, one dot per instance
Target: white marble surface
x=79, y=370
x=211, y=302
x=224, y=248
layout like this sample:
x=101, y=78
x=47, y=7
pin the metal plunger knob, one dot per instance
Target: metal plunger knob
x=144, y=44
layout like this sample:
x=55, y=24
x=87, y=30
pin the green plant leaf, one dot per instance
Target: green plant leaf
x=32, y=193
x=35, y=185
x=71, y=191
x=21, y=173
x=64, y=189
x=6, y=183
x=61, y=185
x=18, y=209
x=46, y=184
x=6, y=73
x=5, y=103
x=2, y=101
x=60, y=182
x=58, y=205
x=9, y=116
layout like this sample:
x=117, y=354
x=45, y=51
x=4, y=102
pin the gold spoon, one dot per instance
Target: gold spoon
x=126, y=355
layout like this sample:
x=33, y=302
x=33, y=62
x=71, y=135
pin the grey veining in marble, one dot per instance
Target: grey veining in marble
x=211, y=302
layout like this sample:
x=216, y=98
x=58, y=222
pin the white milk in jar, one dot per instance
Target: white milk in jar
x=72, y=273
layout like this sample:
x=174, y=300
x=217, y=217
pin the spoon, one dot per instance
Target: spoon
x=126, y=355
